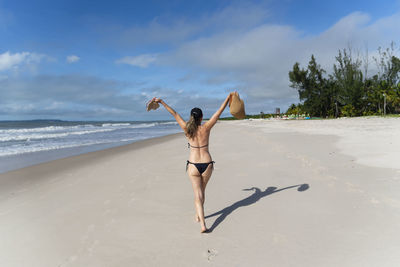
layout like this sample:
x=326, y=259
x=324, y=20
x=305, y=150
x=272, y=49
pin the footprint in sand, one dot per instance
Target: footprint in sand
x=110, y=222
x=374, y=201
x=211, y=253
x=69, y=260
x=107, y=211
x=91, y=247
x=72, y=258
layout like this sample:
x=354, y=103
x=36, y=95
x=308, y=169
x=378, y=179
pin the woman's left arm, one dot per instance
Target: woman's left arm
x=177, y=117
x=213, y=120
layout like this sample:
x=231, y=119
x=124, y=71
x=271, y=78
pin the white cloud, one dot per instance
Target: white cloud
x=234, y=46
x=142, y=61
x=89, y=97
x=167, y=30
x=72, y=59
x=238, y=47
x=12, y=61
x=258, y=60
x=73, y=94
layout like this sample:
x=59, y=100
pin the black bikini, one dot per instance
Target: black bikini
x=201, y=167
x=189, y=146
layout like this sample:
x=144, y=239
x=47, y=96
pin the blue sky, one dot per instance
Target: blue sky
x=86, y=60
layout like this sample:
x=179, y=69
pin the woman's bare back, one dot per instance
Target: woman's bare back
x=199, y=146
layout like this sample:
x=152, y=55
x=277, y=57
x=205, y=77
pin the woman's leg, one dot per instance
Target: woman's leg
x=197, y=182
x=205, y=176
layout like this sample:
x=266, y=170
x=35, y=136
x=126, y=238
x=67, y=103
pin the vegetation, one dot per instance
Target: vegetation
x=349, y=90
x=258, y=116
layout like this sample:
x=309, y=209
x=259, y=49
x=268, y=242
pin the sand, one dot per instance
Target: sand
x=282, y=194
x=372, y=141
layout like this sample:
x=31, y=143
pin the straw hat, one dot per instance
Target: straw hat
x=236, y=106
x=152, y=105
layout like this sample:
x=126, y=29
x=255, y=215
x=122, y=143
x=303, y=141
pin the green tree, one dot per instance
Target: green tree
x=348, y=79
x=347, y=91
x=295, y=110
x=388, y=65
x=312, y=88
x=388, y=78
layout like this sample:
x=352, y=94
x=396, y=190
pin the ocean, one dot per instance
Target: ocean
x=25, y=143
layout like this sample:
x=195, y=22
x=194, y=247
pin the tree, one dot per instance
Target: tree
x=312, y=88
x=295, y=110
x=388, y=78
x=388, y=65
x=348, y=90
x=348, y=79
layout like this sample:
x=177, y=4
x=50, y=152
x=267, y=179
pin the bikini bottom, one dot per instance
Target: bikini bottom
x=201, y=167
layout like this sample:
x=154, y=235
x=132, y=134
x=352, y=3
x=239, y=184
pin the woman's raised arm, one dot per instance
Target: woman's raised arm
x=213, y=120
x=177, y=117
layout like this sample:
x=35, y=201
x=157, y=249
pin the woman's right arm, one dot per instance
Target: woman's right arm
x=177, y=117
x=213, y=120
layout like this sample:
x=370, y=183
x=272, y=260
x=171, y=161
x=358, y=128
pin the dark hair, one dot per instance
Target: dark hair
x=195, y=119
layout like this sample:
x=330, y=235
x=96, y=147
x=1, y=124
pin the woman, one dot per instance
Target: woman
x=200, y=164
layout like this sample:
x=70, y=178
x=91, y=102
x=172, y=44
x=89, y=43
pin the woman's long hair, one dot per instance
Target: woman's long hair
x=193, y=124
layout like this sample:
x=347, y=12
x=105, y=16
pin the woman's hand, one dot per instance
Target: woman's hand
x=157, y=100
x=177, y=117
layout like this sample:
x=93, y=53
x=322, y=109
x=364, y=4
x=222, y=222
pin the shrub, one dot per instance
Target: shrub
x=349, y=111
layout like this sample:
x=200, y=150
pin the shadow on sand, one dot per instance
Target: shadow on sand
x=256, y=196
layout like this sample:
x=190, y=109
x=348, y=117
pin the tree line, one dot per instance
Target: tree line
x=349, y=90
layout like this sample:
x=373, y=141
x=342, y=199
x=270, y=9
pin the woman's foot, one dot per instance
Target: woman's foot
x=204, y=228
x=205, y=231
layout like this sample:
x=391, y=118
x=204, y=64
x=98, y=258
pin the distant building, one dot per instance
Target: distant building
x=277, y=111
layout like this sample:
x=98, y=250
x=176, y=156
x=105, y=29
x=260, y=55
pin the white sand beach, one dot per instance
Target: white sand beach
x=372, y=141
x=283, y=193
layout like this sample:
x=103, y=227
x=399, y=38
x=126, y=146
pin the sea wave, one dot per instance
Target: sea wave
x=168, y=123
x=33, y=136
x=15, y=141
x=70, y=129
x=31, y=149
x=46, y=129
x=143, y=125
x=115, y=124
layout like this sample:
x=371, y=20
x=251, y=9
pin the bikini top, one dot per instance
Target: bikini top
x=189, y=146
